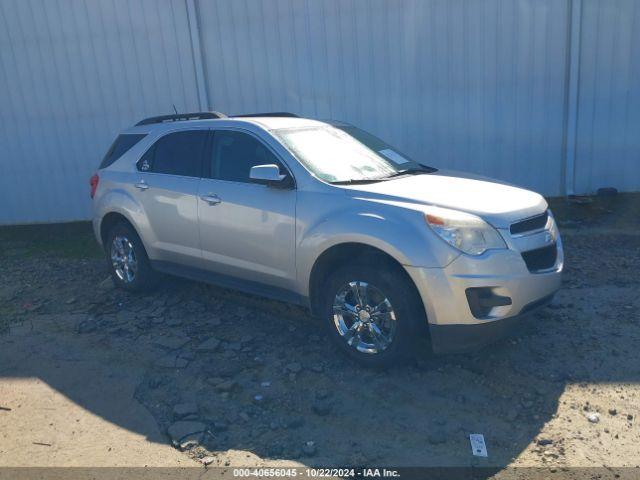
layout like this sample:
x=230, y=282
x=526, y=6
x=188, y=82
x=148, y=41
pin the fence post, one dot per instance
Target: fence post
x=196, y=51
x=573, y=90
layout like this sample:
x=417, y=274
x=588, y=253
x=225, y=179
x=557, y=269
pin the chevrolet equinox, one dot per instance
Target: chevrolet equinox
x=381, y=248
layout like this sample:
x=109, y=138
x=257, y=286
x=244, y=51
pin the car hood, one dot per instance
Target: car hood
x=496, y=202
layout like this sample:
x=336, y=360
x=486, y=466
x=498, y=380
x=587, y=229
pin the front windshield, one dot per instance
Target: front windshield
x=339, y=155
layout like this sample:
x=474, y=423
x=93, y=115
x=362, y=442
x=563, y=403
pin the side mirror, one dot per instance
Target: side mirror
x=269, y=175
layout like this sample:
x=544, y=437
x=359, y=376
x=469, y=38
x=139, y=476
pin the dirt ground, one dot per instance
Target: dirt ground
x=93, y=376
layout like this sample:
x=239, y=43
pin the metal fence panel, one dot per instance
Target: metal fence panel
x=608, y=122
x=476, y=86
x=73, y=73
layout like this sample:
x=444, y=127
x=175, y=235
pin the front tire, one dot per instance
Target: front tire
x=127, y=259
x=374, y=315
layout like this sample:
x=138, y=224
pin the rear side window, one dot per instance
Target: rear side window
x=119, y=147
x=177, y=153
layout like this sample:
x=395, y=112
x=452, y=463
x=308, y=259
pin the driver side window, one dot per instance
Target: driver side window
x=234, y=153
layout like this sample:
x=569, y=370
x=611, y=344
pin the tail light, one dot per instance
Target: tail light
x=94, y=184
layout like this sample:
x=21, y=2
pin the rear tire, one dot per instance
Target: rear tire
x=382, y=329
x=127, y=259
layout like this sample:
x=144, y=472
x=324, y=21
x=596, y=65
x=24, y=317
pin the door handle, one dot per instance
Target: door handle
x=211, y=199
x=141, y=185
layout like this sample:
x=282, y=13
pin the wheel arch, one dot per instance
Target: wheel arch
x=341, y=253
x=110, y=220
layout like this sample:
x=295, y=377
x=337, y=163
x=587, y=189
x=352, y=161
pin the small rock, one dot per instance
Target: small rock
x=512, y=414
x=258, y=399
x=317, y=368
x=321, y=408
x=220, y=427
x=183, y=410
x=172, y=361
x=209, y=345
x=155, y=382
x=613, y=412
x=215, y=322
x=106, y=284
x=323, y=394
x=226, y=386
x=214, y=380
x=171, y=343
x=187, y=355
x=265, y=384
x=126, y=316
x=294, y=367
x=545, y=441
x=436, y=437
x=158, y=312
x=207, y=460
x=309, y=449
x=87, y=326
x=174, y=322
x=295, y=422
x=593, y=417
x=180, y=430
x=275, y=450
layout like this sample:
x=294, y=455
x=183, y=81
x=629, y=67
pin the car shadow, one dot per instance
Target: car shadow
x=271, y=385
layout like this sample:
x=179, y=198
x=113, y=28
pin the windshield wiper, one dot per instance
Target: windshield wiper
x=412, y=171
x=358, y=181
x=407, y=171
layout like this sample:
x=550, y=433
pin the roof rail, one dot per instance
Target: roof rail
x=269, y=114
x=181, y=116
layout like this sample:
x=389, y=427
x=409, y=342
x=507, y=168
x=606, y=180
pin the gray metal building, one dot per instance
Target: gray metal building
x=542, y=93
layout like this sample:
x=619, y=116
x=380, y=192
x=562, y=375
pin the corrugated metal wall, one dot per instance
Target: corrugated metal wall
x=72, y=74
x=471, y=85
x=608, y=123
x=466, y=85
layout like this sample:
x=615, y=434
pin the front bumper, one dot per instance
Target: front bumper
x=464, y=338
x=452, y=326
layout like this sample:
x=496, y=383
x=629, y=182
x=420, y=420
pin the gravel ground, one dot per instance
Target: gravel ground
x=233, y=379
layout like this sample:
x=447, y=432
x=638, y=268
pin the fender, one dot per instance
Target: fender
x=122, y=202
x=401, y=233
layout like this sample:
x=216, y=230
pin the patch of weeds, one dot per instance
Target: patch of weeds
x=69, y=240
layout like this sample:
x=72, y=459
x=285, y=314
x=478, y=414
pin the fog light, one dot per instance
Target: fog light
x=483, y=299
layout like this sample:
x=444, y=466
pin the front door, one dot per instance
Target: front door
x=247, y=230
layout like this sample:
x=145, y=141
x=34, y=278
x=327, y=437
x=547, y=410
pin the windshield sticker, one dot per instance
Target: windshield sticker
x=395, y=157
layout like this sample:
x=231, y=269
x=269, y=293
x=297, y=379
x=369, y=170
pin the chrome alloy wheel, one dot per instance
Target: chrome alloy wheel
x=123, y=259
x=364, y=317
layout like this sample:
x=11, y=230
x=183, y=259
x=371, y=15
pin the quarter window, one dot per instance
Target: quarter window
x=119, y=147
x=234, y=153
x=178, y=153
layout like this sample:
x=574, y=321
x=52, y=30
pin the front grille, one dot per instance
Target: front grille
x=530, y=224
x=540, y=258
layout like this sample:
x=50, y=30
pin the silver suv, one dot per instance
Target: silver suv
x=380, y=247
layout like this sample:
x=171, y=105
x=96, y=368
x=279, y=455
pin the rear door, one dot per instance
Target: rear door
x=167, y=185
x=247, y=230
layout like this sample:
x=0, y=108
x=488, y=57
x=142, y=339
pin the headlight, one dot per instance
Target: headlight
x=468, y=233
